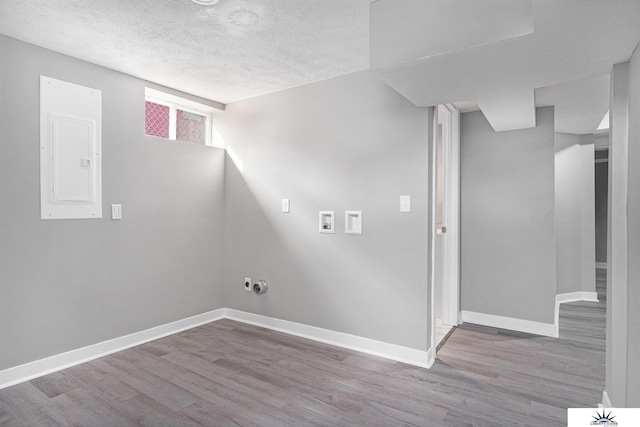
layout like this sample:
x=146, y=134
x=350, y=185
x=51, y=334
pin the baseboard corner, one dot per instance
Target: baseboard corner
x=48, y=365
x=431, y=359
x=410, y=356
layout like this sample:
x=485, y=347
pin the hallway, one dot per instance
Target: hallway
x=535, y=377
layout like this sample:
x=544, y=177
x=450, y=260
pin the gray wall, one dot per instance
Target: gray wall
x=601, y=192
x=349, y=143
x=575, y=213
x=617, y=234
x=633, y=210
x=71, y=283
x=508, y=246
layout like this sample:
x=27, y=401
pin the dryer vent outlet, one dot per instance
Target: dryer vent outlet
x=260, y=288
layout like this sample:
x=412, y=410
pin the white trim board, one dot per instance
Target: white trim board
x=58, y=362
x=606, y=402
x=395, y=352
x=529, y=326
x=513, y=324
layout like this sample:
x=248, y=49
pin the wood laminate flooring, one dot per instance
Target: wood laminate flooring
x=231, y=374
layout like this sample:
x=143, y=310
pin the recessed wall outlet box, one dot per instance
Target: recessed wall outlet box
x=327, y=223
x=353, y=222
x=261, y=287
x=286, y=205
x=116, y=211
x=247, y=284
x=405, y=203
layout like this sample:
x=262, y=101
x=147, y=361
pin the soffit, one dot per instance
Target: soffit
x=572, y=40
x=580, y=105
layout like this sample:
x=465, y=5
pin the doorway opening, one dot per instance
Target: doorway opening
x=445, y=292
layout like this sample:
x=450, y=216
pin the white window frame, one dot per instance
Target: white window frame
x=177, y=103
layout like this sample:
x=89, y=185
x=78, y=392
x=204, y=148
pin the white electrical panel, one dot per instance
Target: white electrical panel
x=70, y=148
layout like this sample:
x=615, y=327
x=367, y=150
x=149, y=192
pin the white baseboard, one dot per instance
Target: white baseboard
x=529, y=326
x=571, y=297
x=503, y=322
x=395, y=352
x=38, y=368
x=577, y=296
x=601, y=265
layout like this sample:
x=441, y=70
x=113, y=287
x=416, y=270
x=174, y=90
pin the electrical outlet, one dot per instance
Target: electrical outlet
x=247, y=284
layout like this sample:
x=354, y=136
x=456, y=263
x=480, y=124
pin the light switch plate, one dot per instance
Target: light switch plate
x=116, y=211
x=405, y=203
x=286, y=205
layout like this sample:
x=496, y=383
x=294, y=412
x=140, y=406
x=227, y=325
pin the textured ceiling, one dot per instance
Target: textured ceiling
x=233, y=50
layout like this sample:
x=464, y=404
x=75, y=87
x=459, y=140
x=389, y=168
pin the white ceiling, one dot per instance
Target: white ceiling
x=580, y=105
x=506, y=56
x=571, y=40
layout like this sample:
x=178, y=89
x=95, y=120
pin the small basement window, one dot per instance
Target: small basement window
x=169, y=116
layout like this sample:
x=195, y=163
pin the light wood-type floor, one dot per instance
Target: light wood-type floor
x=229, y=374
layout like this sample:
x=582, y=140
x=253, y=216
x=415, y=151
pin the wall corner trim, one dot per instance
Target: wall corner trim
x=431, y=358
x=58, y=362
x=503, y=322
x=606, y=402
x=395, y=352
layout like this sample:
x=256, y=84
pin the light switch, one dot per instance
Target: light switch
x=286, y=205
x=405, y=203
x=116, y=211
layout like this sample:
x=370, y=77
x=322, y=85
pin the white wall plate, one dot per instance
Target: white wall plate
x=353, y=222
x=327, y=222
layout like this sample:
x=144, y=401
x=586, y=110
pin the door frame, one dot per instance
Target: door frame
x=451, y=215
